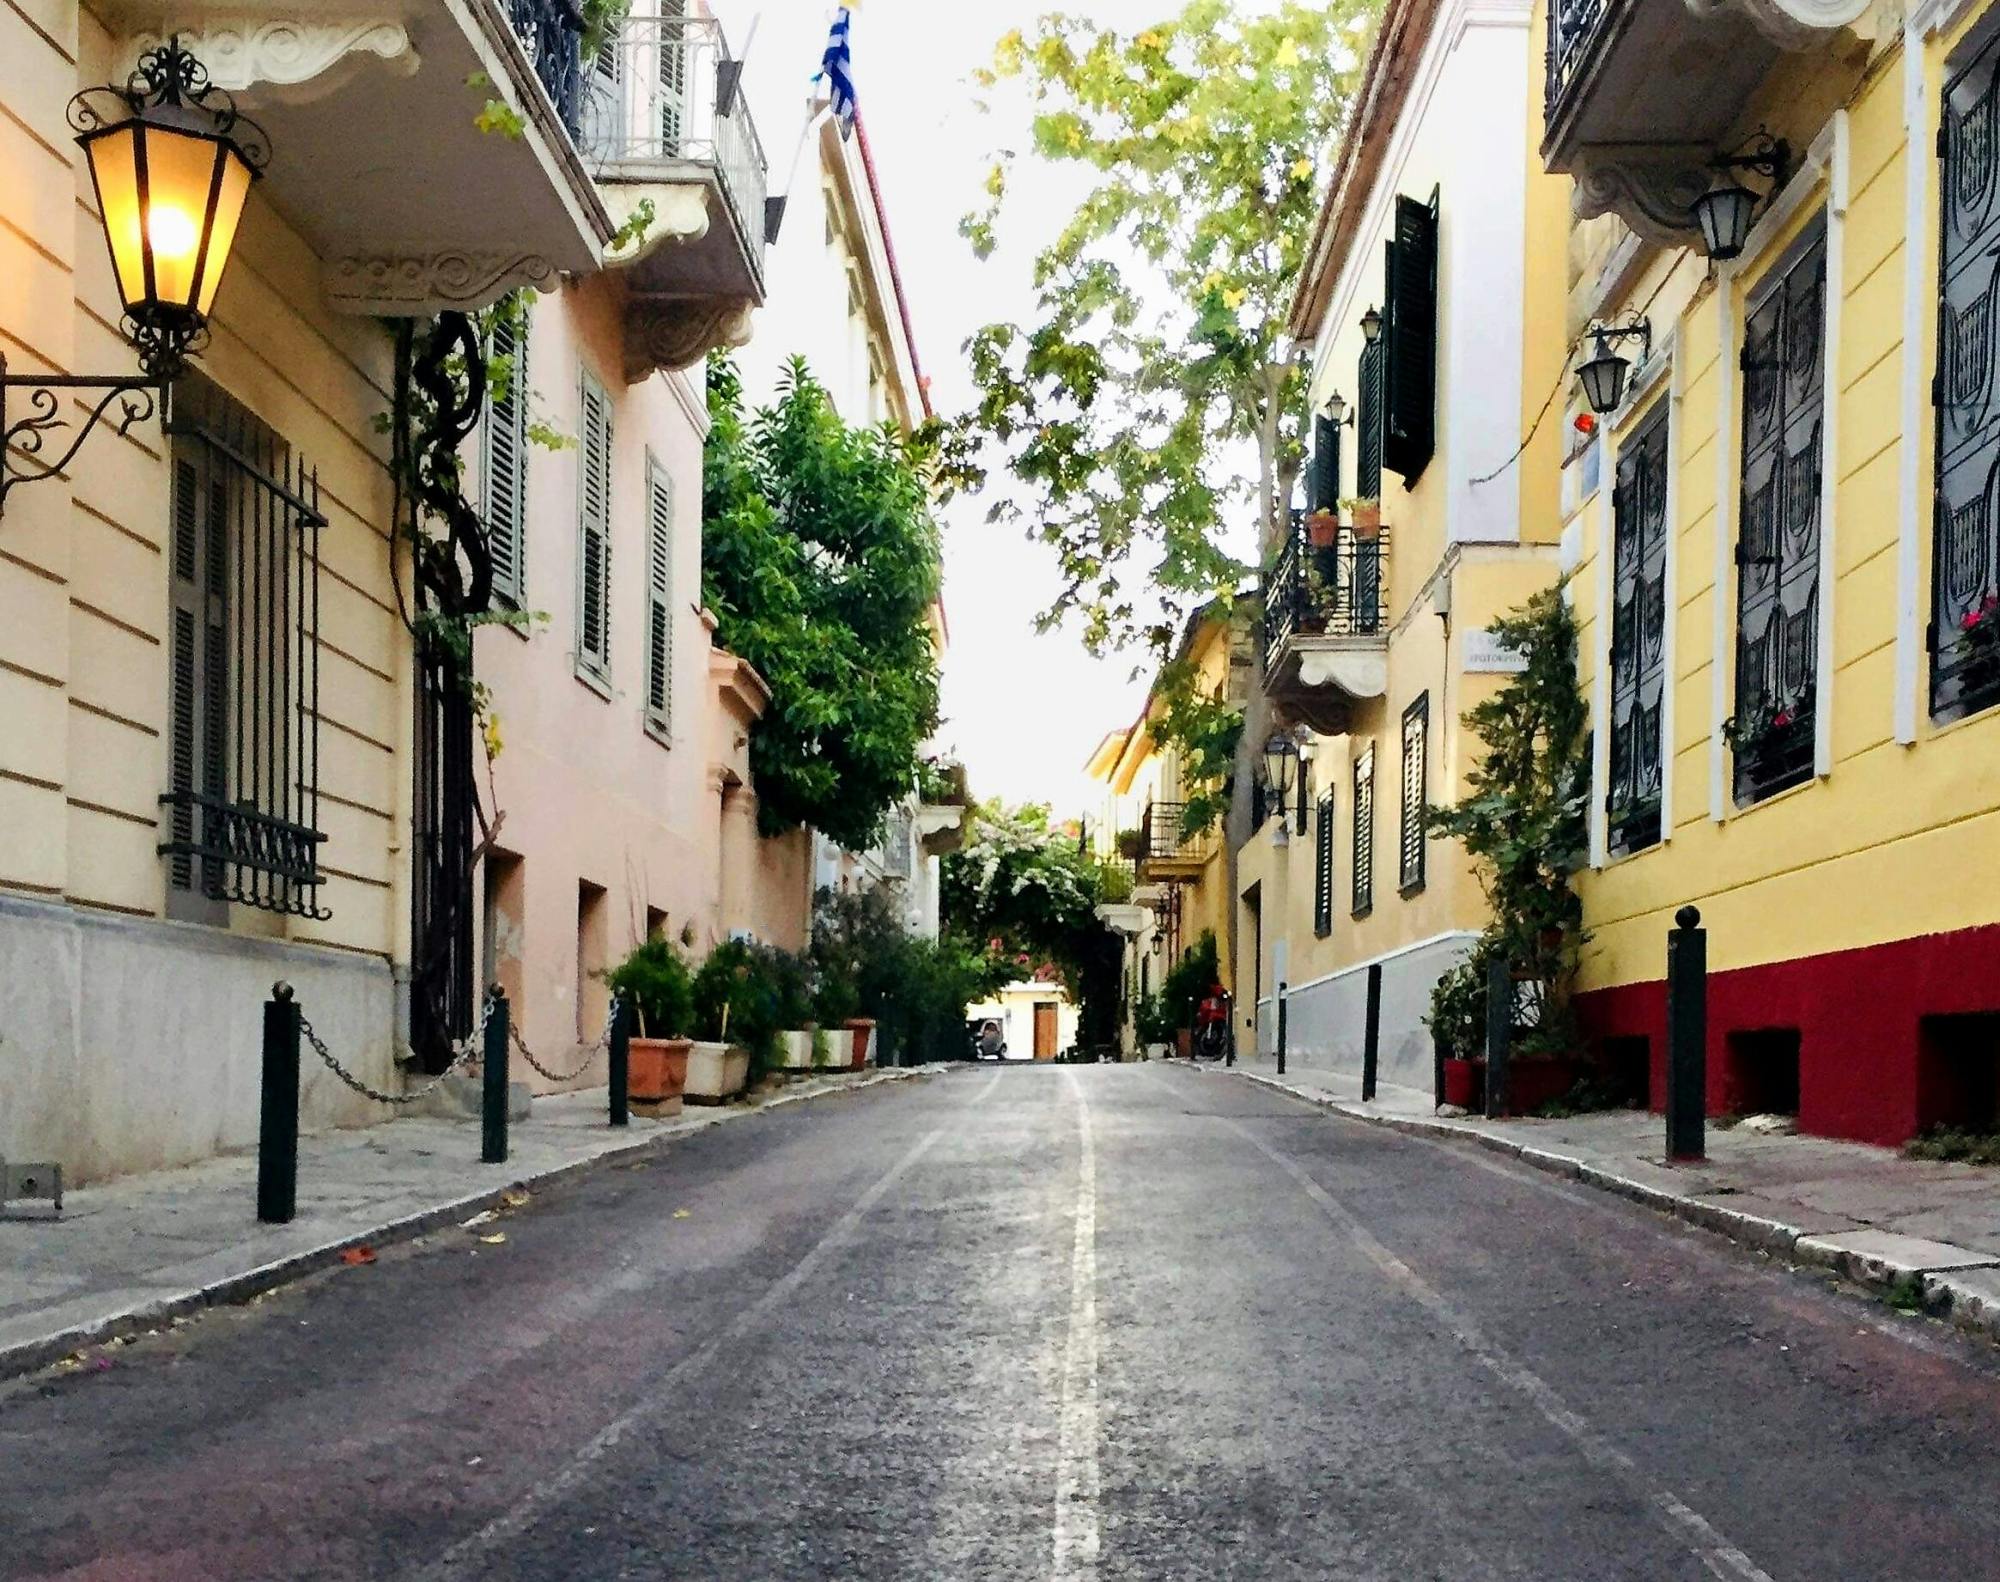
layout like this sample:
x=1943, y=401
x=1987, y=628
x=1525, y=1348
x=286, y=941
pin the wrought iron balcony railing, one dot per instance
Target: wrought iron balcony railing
x=1339, y=590
x=1164, y=836
x=1573, y=25
x=665, y=91
x=551, y=31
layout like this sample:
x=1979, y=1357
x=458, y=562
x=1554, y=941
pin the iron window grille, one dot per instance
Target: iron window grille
x=503, y=463
x=241, y=810
x=1638, y=638
x=1323, y=866
x=1416, y=794
x=1964, y=636
x=593, y=536
x=1363, y=898
x=1777, y=553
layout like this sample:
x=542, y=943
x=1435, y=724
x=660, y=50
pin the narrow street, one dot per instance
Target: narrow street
x=1033, y=1323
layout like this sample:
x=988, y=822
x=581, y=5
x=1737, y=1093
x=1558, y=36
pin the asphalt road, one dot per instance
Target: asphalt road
x=1052, y=1324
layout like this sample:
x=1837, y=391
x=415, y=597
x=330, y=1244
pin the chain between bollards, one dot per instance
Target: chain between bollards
x=493, y=1082
x=1687, y=1037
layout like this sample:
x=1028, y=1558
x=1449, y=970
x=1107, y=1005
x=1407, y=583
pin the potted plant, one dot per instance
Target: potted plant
x=1153, y=1026
x=1322, y=527
x=1979, y=643
x=738, y=1003
x=655, y=983
x=1131, y=844
x=1365, y=515
x=1457, y=1020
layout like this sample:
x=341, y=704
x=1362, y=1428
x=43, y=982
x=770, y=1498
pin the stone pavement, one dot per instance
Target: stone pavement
x=1924, y=1232
x=138, y=1251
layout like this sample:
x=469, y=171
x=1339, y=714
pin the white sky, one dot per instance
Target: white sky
x=1022, y=710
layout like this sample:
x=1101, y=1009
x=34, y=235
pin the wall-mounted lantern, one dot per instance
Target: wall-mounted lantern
x=1281, y=757
x=1724, y=213
x=172, y=163
x=1603, y=373
x=1371, y=325
x=1336, y=411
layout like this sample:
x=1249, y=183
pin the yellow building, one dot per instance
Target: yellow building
x=1428, y=313
x=1783, y=540
x=1181, y=876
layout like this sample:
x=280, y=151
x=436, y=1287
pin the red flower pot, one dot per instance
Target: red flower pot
x=1465, y=1083
x=862, y=1027
x=1321, y=528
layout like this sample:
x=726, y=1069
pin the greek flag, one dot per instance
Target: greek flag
x=836, y=66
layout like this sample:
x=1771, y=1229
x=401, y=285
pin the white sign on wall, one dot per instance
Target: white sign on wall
x=1487, y=655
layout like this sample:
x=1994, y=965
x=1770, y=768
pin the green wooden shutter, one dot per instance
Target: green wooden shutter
x=1416, y=791
x=1368, y=442
x=198, y=748
x=1409, y=428
x=593, y=549
x=1325, y=487
x=1364, y=832
x=659, y=606
x=504, y=468
x=1323, y=868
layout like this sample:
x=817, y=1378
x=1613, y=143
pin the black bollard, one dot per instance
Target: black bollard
x=278, y=1118
x=1499, y=1032
x=1372, y=1034
x=621, y=1064
x=1281, y=1029
x=493, y=1088
x=1687, y=1037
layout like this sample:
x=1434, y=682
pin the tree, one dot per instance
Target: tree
x=820, y=560
x=1126, y=412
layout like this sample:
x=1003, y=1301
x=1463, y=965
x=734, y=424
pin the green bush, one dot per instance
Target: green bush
x=747, y=993
x=656, y=983
x=1187, y=983
x=1151, y=1021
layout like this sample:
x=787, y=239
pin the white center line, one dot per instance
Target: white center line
x=664, y=1395
x=1077, y=1478
x=1721, y=1557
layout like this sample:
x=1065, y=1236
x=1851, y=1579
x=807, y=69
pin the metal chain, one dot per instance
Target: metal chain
x=603, y=1043
x=463, y=1051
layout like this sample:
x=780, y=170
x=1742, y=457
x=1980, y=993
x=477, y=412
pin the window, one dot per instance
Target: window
x=1416, y=796
x=503, y=462
x=241, y=809
x=1965, y=558
x=1777, y=553
x=1638, y=637
x=1409, y=336
x=1323, y=866
x=1364, y=833
x=1368, y=434
x=659, y=601
x=1323, y=491
x=593, y=536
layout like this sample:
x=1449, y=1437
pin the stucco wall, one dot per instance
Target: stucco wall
x=1326, y=1019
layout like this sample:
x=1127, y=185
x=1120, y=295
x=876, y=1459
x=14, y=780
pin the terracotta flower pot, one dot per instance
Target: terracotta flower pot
x=657, y=1074
x=1321, y=529
x=863, y=1029
x=1465, y=1083
x=1367, y=521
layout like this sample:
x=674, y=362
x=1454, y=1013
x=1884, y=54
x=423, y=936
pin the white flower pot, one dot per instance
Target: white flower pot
x=716, y=1072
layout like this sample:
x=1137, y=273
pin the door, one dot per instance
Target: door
x=1045, y=1029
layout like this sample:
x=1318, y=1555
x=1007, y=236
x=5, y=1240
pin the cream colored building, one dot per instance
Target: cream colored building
x=208, y=773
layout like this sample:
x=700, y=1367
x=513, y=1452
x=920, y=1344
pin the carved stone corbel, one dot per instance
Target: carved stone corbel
x=393, y=286
x=677, y=332
x=301, y=58
x=1789, y=24
x=1653, y=192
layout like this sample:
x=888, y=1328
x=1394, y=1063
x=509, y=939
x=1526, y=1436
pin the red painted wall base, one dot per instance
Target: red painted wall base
x=1874, y=1044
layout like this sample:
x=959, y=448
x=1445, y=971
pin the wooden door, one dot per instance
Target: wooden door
x=1045, y=1030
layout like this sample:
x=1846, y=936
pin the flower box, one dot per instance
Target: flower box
x=715, y=1072
x=863, y=1030
x=656, y=1074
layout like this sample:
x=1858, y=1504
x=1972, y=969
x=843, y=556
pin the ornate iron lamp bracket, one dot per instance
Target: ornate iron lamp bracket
x=22, y=460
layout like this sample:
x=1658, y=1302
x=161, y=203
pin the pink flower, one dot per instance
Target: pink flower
x=1781, y=719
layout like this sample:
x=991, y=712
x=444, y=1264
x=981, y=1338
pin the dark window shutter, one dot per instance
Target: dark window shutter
x=1325, y=491
x=504, y=467
x=1323, y=868
x=1416, y=798
x=1410, y=333
x=198, y=754
x=1368, y=441
x=1364, y=832
x=659, y=608
x=593, y=640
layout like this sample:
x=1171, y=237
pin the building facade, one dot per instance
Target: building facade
x=1425, y=517
x=1782, y=545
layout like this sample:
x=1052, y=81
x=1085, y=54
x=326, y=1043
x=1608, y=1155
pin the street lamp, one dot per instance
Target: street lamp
x=1336, y=410
x=171, y=163
x=1281, y=756
x=1723, y=213
x=1603, y=374
x=1371, y=325
x=1308, y=749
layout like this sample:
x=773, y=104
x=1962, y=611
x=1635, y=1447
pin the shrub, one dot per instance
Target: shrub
x=1151, y=1021
x=747, y=993
x=1187, y=983
x=656, y=983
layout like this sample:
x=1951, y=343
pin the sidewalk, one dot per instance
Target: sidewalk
x=138, y=1251
x=1924, y=1233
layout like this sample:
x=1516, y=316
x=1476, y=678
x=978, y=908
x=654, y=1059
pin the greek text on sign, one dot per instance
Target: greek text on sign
x=1486, y=654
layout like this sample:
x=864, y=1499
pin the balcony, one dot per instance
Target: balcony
x=424, y=151
x=665, y=123
x=1166, y=849
x=1642, y=93
x=1326, y=626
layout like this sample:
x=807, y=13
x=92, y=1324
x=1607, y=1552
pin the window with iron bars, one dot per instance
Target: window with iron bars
x=241, y=809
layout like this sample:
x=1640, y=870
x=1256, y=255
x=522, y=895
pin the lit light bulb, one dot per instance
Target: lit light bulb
x=173, y=231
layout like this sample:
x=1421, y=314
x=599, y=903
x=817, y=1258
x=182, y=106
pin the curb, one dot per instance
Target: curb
x=27, y=1356
x=1966, y=1295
